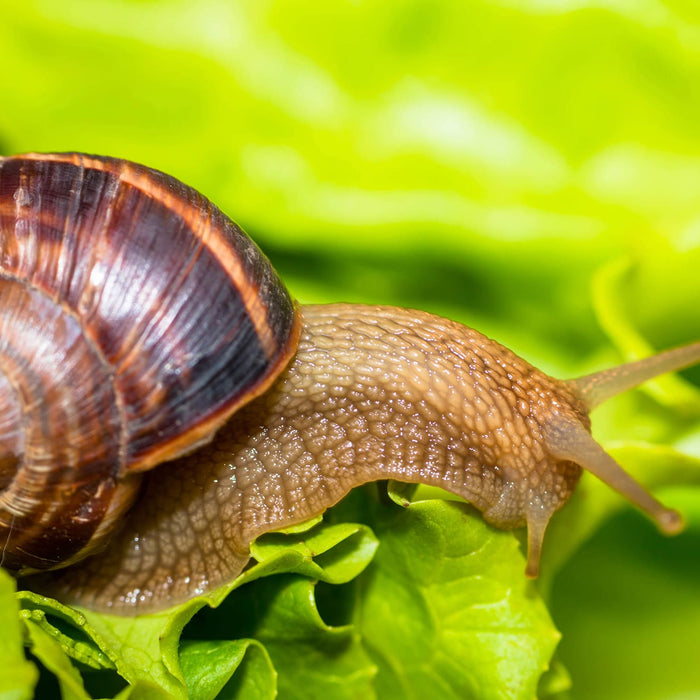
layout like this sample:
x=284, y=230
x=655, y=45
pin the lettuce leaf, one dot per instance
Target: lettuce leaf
x=18, y=676
x=459, y=616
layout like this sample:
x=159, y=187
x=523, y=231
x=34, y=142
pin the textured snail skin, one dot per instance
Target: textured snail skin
x=372, y=393
x=135, y=319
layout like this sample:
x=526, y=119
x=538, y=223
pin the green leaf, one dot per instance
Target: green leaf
x=209, y=668
x=51, y=654
x=66, y=626
x=555, y=682
x=332, y=553
x=312, y=659
x=142, y=650
x=17, y=675
x=445, y=609
x=146, y=650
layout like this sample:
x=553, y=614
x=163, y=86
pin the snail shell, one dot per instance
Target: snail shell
x=134, y=319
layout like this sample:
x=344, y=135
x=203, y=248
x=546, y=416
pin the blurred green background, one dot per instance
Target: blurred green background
x=530, y=168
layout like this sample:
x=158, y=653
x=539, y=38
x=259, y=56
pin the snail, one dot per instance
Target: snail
x=163, y=401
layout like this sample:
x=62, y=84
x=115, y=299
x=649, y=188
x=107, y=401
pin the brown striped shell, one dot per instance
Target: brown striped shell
x=135, y=318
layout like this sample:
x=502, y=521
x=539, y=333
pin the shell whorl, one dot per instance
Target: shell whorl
x=135, y=317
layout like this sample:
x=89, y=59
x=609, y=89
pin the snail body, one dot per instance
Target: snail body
x=183, y=322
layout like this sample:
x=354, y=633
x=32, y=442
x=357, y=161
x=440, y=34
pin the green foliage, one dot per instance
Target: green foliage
x=445, y=610
x=530, y=168
x=17, y=676
x=442, y=606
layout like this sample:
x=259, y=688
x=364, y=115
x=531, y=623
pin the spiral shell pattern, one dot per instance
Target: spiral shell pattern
x=135, y=318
